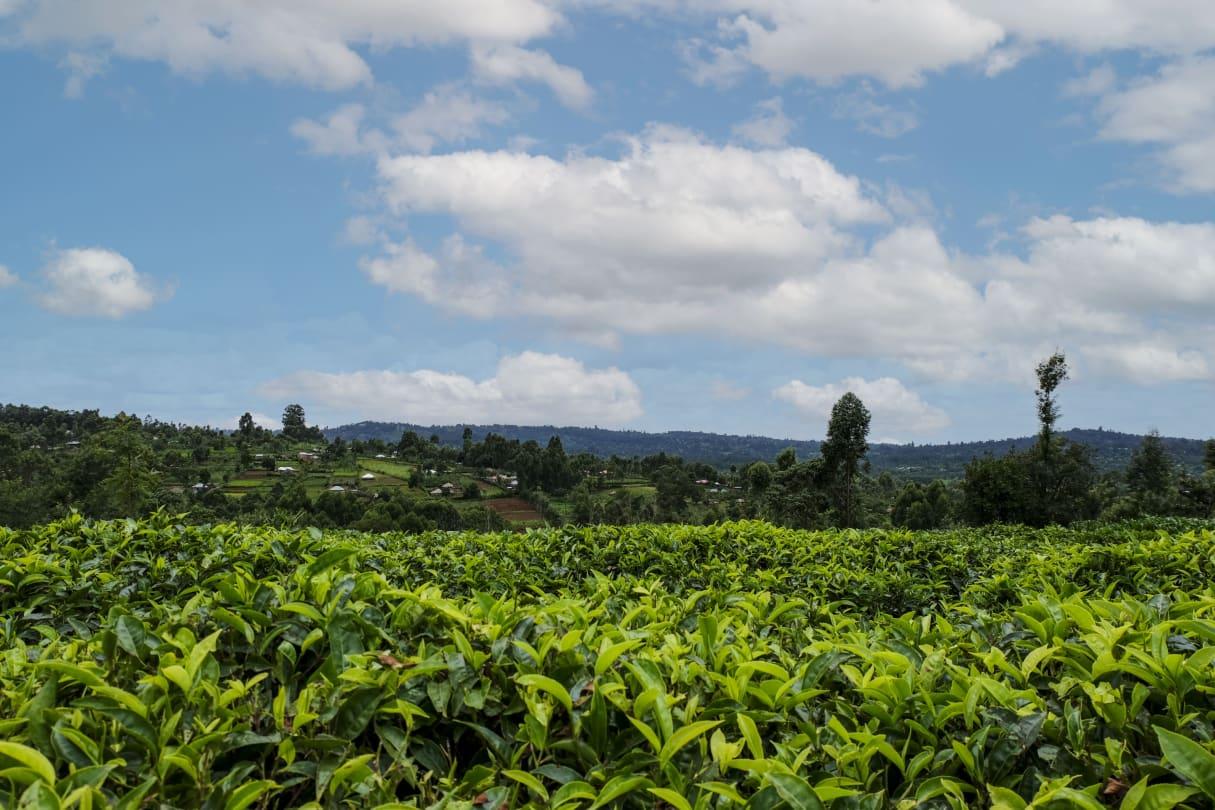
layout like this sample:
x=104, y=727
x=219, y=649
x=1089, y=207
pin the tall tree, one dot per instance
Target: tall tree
x=246, y=426
x=1051, y=373
x=294, y=425
x=1150, y=471
x=846, y=445
x=132, y=481
x=1208, y=455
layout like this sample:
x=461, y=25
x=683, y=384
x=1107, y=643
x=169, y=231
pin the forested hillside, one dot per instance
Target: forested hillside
x=1111, y=450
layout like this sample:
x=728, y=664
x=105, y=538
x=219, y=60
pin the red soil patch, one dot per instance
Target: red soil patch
x=515, y=510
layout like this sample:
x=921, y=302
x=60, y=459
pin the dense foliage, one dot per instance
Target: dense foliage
x=156, y=664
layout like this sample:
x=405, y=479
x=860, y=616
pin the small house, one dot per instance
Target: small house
x=438, y=493
x=367, y=477
x=285, y=470
x=337, y=488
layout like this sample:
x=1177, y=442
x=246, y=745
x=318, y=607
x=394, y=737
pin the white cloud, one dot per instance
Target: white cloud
x=898, y=42
x=894, y=42
x=81, y=67
x=339, y=134
x=461, y=279
x=1097, y=82
x=1148, y=362
x=894, y=408
x=97, y=282
x=1091, y=26
x=320, y=43
x=1174, y=110
x=7, y=277
x=874, y=117
x=681, y=236
x=1124, y=265
x=506, y=64
x=312, y=42
x=651, y=241
x=769, y=126
x=707, y=63
x=528, y=388
x=360, y=230
x=446, y=114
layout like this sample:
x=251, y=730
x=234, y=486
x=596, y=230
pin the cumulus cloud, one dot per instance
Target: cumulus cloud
x=1147, y=362
x=1174, y=110
x=319, y=43
x=678, y=235
x=341, y=133
x=528, y=388
x=312, y=42
x=7, y=277
x=899, y=42
x=894, y=407
x=95, y=282
x=769, y=126
x=506, y=64
x=447, y=114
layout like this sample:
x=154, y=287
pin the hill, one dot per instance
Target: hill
x=1111, y=449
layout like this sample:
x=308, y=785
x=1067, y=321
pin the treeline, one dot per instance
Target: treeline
x=1110, y=450
x=1053, y=481
x=52, y=462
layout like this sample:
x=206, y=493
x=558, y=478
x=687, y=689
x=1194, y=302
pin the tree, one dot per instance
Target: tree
x=1051, y=373
x=1150, y=470
x=918, y=507
x=246, y=425
x=1149, y=476
x=673, y=487
x=786, y=458
x=759, y=477
x=131, y=481
x=846, y=445
x=1208, y=455
x=294, y=426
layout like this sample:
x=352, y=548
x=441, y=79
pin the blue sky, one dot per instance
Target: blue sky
x=655, y=214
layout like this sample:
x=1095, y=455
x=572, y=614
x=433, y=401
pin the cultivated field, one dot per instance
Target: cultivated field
x=156, y=664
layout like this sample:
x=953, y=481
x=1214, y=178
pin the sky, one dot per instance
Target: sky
x=649, y=214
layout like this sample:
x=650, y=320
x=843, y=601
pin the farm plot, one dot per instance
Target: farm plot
x=515, y=510
x=157, y=664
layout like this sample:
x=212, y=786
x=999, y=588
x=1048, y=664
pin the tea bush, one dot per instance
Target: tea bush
x=158, y=664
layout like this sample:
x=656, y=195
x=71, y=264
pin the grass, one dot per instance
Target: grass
x=396, y=469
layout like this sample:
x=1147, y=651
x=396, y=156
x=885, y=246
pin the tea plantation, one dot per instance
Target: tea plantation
x=165, y=665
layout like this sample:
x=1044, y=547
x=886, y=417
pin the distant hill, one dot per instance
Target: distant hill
x=1111, y=450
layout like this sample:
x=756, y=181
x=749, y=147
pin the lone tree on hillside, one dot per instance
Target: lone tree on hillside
x=294, y=425
x=1051, y=373
x=246, y=425
x=846, y=445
